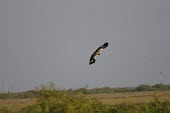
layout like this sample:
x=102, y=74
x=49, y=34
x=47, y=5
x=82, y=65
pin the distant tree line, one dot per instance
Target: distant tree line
x=142, y=87
x=156, y=87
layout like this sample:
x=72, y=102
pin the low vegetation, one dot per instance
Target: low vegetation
x=47, y=99
x=140, y=88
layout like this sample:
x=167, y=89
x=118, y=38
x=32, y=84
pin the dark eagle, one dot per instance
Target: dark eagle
x=97, y=52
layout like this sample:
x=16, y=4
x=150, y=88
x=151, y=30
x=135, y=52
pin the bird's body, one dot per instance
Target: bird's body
x=97, y=52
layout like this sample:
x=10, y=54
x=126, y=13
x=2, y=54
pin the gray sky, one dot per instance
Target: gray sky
x=43, y=41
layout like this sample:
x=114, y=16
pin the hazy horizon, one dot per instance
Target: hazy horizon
x=43, y=41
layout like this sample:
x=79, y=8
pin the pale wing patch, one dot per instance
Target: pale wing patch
x=100, y=50
x=95, y=56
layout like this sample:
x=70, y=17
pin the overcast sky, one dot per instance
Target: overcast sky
x=43, y=41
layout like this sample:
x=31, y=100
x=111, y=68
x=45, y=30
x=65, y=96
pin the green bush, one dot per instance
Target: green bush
x=49, y=100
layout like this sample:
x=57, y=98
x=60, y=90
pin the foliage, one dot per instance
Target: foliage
x=4, y=110
x=144, y=87
x=27, y=94
x=53, y=101
x=85, y=90
x=50, y=100
x=155, y=87
x=154, y=107
x=104, y=90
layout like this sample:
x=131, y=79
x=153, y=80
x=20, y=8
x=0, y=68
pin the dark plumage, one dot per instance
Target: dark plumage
x=97, y=52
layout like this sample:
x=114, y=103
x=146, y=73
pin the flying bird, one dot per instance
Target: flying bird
x=96, y=53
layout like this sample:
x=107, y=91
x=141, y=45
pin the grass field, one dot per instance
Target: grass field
x=132, y=97
x=15, y=104
x=112, y=98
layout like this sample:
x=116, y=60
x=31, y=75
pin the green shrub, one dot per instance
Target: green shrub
x=50, y=100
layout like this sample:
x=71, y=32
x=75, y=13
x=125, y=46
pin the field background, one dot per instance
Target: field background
x=110, y=98
x=132, y=97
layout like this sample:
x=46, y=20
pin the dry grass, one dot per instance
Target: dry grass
x=132, y=97
x=15, y=104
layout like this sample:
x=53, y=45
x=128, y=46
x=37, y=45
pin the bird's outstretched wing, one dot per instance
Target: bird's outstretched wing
x=97, y=52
